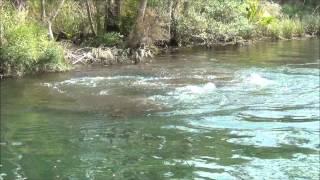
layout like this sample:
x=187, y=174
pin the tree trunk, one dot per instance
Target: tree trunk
x=90, y=18
x=142, y=10
x=43, y=10
x=1, y=33
x=52, y=18
x=170, y=15
x=50, y=30
x=173, y=22
x=20, y=4
x=1, y=26
x=186, y=6
x=106, y=14
x=55, y=14
x=112, y=16
x=98, y=16
x=137, y=33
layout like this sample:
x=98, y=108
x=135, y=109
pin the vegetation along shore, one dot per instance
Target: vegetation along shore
x=52, y=36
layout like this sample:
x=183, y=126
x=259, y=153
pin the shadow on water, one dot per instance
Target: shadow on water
x=226, y=113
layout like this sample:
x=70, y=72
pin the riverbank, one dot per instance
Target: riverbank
x=77, y=56
x=33, y=44
x=106, y=56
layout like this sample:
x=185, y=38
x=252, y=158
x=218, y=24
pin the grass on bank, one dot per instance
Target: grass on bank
x=283, y=29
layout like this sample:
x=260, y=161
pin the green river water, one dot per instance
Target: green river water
x=230, y=113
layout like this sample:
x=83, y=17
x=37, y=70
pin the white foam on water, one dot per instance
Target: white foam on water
x=2, y=175
x=182, y=128
x=168, y=174
x=195, y=97
x=258, y=80
x=85, y=81
x=211, y=175
x=103, y=92
x=146, y=83
x=211, y=77
x=202, y=77
x=131, y=81
x=193, y=89
x=46, y=84
x=91, y=81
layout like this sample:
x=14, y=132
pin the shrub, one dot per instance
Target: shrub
x=51, y=59
x=26, y=47
x=29, y=50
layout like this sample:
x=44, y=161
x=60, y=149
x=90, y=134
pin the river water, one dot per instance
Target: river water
x=229, y=113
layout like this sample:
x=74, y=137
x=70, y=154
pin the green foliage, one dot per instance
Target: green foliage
x=231, y=21
x=106, y=39
x=128, y=16
x=127, y=23
x=264, y=21
x=26, y=47
x=214, y=21
x=71, y=19
x=253, y=10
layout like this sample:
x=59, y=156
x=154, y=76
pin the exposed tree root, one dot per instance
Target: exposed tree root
x=107, y=56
